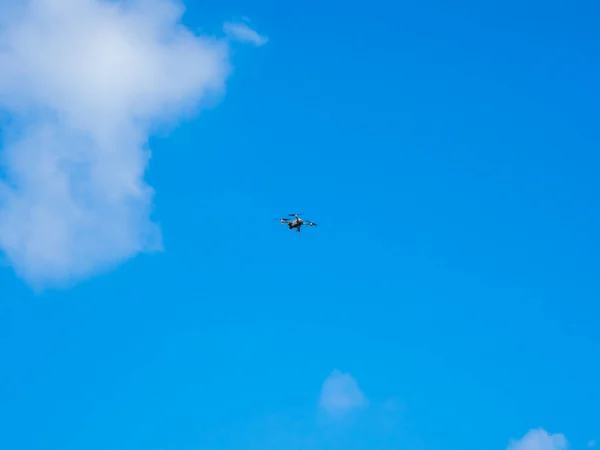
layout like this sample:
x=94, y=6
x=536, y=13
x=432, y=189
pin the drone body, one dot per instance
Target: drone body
x=297, y=222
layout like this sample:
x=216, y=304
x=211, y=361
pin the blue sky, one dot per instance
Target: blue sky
x=447, y=300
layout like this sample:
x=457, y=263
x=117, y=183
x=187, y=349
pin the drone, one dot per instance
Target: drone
x=297, y=222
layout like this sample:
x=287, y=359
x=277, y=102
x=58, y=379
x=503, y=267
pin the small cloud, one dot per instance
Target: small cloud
x=592, y=444
x=340, y=394
x=243, y=32
x=540, y=439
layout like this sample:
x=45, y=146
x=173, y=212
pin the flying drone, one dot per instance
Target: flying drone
x=297, y=222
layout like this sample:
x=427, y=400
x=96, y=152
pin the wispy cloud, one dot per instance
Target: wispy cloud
x=341, y=394
x=85, y=82
x=242, y=32
x=539, y=439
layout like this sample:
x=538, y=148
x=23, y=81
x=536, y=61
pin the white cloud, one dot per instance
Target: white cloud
x=84, y=83
x=539, y=439
x=341, y=394
x=242, y=32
